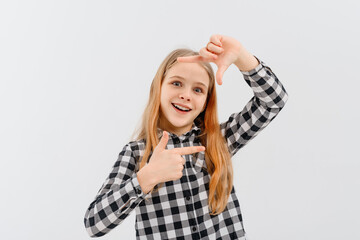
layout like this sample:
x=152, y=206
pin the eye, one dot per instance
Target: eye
x=178, y=84
x=198, y=90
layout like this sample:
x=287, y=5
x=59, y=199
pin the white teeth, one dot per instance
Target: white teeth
x=182, y=108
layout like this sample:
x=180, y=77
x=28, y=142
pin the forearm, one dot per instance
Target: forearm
x=119, y=195
x=269, y=98
x=112, y=205
x=266, y=86
x=246, y=61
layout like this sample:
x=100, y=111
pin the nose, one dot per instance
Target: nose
x=185, y=95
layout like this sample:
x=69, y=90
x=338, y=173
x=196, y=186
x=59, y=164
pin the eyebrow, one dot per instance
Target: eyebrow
x=176, y=76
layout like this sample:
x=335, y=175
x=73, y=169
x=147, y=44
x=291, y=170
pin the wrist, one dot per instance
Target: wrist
x=246, y=61
x=146, y=179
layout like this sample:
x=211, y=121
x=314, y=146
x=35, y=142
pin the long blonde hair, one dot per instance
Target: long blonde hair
x=217, y=156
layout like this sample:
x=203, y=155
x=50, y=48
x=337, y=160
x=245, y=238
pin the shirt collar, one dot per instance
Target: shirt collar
x=194, y=130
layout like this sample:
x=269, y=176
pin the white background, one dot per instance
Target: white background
x=75, y=78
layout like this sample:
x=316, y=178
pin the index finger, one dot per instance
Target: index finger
x=188, y=150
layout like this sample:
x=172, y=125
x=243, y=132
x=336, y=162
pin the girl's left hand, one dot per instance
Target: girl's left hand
x=221, y=50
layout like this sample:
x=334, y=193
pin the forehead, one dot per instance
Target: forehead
x=193, y=72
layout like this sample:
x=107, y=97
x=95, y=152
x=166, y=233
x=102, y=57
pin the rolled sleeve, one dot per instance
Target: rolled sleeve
x=269, y=98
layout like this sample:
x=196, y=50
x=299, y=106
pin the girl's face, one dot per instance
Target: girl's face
x=183, y=96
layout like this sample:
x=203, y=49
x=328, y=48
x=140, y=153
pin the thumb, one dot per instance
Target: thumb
x=220, y=73
x=163, y=141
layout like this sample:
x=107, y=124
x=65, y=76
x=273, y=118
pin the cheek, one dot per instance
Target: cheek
x=167, y=94
x=165, y=98
x=163, y=95
x=202, y=103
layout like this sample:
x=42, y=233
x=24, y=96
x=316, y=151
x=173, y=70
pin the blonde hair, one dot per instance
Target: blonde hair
x=217, y=156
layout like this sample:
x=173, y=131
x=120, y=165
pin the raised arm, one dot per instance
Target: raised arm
x=269, y=98
x=269, y=94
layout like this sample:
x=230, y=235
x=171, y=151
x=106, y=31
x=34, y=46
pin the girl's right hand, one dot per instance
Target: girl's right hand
x=168, y=165
x=221, y=50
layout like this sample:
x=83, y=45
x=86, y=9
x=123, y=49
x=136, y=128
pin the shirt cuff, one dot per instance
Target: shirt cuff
x=134, y=194
x=137, y=188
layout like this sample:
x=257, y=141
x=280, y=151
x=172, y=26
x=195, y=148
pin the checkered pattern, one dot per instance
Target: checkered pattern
x=179, y=210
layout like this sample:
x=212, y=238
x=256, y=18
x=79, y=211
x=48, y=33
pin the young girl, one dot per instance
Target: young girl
x=177, y=174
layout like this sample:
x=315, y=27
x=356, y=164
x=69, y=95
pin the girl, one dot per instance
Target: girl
x=177, y=174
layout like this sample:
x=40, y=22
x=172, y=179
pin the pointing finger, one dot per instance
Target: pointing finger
x=188, y=150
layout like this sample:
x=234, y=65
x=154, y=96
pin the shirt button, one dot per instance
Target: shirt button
x=138, y=191
x=188, y=198
x=194, y=229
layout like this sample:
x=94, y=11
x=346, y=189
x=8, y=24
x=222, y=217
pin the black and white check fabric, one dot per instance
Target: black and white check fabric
x=179, y=210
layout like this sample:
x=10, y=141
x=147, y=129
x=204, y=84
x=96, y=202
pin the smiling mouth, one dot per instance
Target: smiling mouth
x=182, y=109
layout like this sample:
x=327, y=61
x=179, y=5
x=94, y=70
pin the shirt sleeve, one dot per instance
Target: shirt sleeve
x=269, y=98
x=118, y=196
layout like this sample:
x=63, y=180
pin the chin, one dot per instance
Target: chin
x=179, y=125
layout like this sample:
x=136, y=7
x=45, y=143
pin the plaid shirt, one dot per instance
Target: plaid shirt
x=179, y=210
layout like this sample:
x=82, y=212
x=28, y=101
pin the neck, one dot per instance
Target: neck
x=167, y=126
